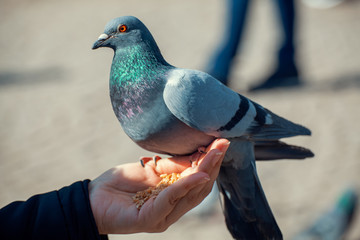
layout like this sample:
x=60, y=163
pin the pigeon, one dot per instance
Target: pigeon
x=335, y=222
x=175, y=111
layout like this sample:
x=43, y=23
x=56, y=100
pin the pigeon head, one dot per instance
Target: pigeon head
x=123, y=32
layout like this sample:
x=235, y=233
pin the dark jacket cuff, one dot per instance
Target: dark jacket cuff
x=63, y=214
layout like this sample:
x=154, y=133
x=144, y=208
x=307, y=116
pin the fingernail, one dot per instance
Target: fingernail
x=219, y=153
x=204, y=180
x=217, y=157
x=226, y=146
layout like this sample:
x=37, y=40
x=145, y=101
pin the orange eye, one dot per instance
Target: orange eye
x=122, y=28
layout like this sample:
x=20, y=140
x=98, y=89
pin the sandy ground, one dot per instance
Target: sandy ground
x=57, y=125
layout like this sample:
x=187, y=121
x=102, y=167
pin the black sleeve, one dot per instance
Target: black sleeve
x=63, y=214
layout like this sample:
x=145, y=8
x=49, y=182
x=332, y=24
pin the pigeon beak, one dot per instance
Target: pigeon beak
x=102, y=38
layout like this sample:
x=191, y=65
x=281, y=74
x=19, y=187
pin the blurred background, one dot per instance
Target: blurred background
x=57, y=124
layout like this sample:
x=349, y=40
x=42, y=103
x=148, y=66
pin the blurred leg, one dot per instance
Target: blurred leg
x=220, y=64
x=286, y=73
x=287, y=16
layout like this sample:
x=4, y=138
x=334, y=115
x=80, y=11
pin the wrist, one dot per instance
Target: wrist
x=93, y=205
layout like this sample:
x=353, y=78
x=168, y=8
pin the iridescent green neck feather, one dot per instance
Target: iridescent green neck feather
x=135, y=64
x=138, y=76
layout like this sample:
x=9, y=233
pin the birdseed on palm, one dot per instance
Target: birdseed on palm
x=152, y=192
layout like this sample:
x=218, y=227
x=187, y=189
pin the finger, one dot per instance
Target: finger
x=220, y=144
x=193, y=198
x=171, y=165
x=210, y=160
x=213, y=159
x=211, y=164
x=167, y=200
x=188, y=192
x=180, y=163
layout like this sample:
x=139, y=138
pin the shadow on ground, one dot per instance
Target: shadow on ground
x=37, y=76
x=337, y=83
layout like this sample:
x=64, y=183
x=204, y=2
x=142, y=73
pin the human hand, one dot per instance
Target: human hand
x=111, y=193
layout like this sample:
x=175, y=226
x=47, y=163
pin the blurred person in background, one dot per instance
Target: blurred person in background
x=286, y=72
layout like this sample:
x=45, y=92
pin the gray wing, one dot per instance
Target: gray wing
x=204, y=103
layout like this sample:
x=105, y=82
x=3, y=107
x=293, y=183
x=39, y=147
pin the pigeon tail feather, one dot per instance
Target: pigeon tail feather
x=273, y=150
x=280, y=128
x=246, y=210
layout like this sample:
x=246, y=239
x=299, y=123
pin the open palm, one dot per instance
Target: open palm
x=111, y=193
